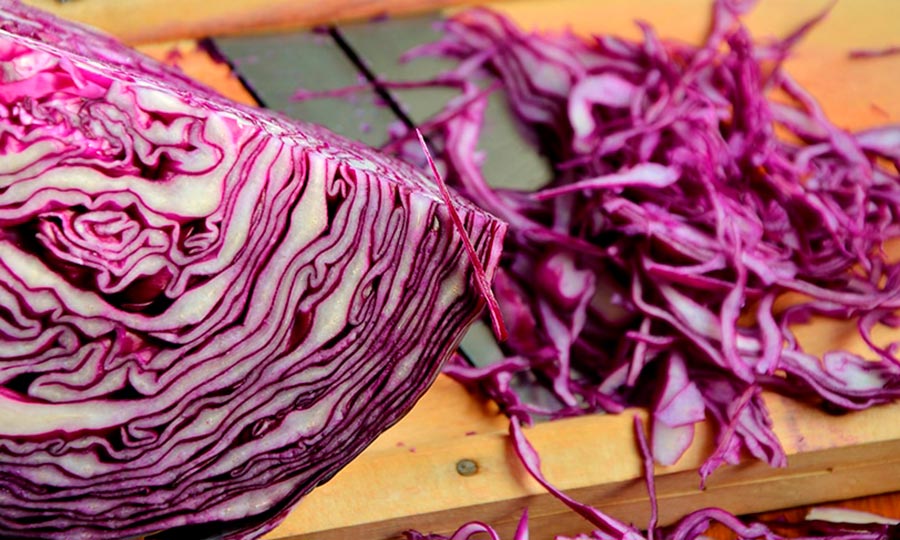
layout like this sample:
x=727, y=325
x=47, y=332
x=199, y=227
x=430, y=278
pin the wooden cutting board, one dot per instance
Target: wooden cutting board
x=409, y=477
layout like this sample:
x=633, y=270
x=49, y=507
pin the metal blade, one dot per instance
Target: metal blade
x=275, y=66
x=510, y=162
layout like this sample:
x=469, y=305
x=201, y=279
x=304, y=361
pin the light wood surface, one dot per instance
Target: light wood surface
x=409, y=480
x=408, y=477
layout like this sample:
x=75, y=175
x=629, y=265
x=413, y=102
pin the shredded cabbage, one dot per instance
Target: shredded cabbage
x=702, y=206
x=696, y=189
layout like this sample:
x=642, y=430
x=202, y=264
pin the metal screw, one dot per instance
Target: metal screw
x=466, y=467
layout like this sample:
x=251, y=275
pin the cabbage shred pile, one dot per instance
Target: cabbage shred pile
x=695, y=188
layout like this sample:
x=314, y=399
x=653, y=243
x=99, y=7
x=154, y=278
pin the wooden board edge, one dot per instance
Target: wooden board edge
x=594, y=459
x=864, y=470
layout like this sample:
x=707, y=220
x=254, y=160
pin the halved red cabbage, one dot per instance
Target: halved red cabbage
x=206, y=310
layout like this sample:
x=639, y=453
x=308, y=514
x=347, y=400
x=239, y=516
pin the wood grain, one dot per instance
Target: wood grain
x=400, y=484
x=408, y=477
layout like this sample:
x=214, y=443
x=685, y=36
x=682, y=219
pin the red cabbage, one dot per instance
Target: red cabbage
x=653, y=269
x=874, y=53
x=207, y=309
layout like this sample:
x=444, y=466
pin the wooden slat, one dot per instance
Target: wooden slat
x=390, y=489
x=150, y=21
